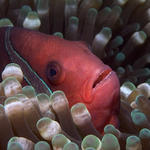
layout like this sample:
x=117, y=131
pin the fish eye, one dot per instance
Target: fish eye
x=54, y=73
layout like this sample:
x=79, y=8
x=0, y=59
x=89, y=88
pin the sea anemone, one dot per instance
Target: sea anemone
x=34, y=121
x=117, y=31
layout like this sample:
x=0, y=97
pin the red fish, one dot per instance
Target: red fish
x=68, y=66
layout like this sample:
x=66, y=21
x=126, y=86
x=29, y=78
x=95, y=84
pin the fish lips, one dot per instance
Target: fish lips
x=103, y=80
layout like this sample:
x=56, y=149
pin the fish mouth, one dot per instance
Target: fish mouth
x=104, y=95
x=103, y=75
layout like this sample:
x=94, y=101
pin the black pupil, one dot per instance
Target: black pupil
x=52, y=72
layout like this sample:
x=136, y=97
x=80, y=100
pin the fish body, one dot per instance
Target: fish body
x=68, y=66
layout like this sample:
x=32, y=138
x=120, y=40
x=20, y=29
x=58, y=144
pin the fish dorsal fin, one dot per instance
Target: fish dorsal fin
x=31, y=77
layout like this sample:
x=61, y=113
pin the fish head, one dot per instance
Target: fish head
x=85, y=78
x=71, y=67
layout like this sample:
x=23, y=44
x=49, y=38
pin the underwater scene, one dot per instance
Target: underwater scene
x=74, y=74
